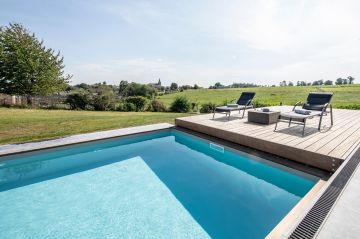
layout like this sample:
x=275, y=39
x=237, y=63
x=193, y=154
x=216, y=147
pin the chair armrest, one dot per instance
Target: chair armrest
x=297, y=104
x=325, y=107
x=249, y=102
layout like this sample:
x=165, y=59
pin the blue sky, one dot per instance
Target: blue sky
x=203, y=41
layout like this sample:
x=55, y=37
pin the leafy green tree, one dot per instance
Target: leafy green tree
x=351, y=79
x=328, y=82
x=301, y=83
x=173, y=86
x=339, y=81
x=218, y=85
x=27, y=67
x=318, y=82
x=122, y=86
x=135, y=89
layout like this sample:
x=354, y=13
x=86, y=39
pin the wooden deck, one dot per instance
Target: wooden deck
x=324, y=149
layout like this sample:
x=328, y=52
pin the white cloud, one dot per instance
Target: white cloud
x=283, y=25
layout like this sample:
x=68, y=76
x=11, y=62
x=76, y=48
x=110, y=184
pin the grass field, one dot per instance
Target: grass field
x=347, y=96
x=23, y=125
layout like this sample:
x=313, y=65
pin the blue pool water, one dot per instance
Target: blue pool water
x=165, y=184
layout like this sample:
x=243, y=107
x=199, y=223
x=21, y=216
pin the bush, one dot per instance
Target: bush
x=135, y=89
x=258, y=104
x=207, y=108
x=77, y=101
x=126, y=107
x=157, y=106
x=138, y=101
x=180, y=104
x=102, y=102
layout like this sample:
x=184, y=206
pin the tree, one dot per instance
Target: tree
x=27, y=67
x=122, y=86
x=218, y=85
x=290, y=83
x=301, y=83
x=135, y=89
x=173, y=86
x=328, y=82
x=196, y=87
x=318, y=82
x=283, y=83
x=339, y=81
x=351, y=79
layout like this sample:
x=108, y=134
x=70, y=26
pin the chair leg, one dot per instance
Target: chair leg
x=243, y=113
x=331, y=115
x=276, y=126
x=321, y=116
x=229, y=115
x=304, y=127
x=289, y=122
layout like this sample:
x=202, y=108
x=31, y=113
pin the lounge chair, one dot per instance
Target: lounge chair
x=316, y=105
x=243, y=103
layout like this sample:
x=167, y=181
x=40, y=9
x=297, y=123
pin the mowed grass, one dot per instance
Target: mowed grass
x=24, y=125
x=347, y=96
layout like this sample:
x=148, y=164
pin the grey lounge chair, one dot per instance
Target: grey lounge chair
x=243, y=103
x=316, y=105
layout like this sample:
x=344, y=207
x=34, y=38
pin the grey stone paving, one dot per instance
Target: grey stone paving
x=17, y=148
x=344, y=220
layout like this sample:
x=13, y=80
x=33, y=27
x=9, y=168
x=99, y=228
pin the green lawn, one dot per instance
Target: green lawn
x=347, y=96
x=23, y=125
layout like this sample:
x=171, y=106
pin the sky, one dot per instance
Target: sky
x=197, y=41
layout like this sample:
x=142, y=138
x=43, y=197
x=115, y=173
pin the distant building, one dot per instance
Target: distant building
x=156, y=85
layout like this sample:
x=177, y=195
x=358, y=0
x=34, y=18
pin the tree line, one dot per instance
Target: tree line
x=339, y=81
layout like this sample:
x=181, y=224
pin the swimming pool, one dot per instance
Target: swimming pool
x=165, y=184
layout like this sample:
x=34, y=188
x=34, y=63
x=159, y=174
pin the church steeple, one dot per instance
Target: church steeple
x=159, y=82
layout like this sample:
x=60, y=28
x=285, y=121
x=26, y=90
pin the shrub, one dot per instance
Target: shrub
x=138, y=101
x=101, y=102
x=77, y=101
x=258, y=104
x=180, y=104
x=135, y=89
x=207, y=108
x=126, y=107
x=157, y=106
x=194, y=106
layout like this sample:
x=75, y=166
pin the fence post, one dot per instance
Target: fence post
x=13, y=100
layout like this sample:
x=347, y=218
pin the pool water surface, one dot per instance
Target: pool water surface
x=166, y=184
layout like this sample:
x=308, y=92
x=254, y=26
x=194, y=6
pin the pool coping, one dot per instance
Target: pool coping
x=9, y=149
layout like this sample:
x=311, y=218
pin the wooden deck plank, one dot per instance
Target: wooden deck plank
x=331, y=136
x=315, y=138
x=339, y=150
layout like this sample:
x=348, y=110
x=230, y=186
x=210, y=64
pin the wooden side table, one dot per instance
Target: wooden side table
x=261, y=117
